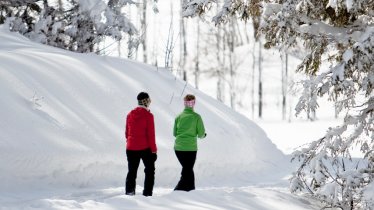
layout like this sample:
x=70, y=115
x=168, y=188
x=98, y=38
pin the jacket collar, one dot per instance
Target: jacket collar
x=144, y=107
x=188, y=109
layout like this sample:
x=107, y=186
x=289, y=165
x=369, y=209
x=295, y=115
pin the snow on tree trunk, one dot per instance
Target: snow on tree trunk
x=183, y=45
x=231, y=58
x=197, y=60
x=170, y=41
x=143, y=23
x=284, y=83
x=260, y=102
x=253, y=80
x=220, y=69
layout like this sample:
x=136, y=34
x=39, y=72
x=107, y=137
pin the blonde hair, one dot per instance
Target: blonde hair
x=189, y=97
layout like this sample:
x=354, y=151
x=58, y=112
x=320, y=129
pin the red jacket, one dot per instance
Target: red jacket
x=140, y=130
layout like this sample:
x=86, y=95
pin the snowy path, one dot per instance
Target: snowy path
x=221, y=198
x=61, y=138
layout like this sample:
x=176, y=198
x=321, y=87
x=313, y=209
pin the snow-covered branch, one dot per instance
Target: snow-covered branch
x=78, y=26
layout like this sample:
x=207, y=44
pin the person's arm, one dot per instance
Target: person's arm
x=151, y=134
x=127, y=127
x=200, y=128
x=175, y=127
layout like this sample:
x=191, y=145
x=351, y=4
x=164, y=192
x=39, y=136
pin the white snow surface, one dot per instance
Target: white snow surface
x=62, y=144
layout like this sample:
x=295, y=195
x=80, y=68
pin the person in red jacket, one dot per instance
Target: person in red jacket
x=140, y=144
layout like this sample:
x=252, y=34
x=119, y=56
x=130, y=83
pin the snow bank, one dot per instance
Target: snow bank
x=63, y=113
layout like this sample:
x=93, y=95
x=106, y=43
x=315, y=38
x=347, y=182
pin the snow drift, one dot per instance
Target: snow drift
x=63, y=114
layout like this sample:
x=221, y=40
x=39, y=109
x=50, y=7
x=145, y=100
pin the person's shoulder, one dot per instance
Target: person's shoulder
x=131, y=112
x=196, y=114
x=135, y=109
x=148, y=113
x=198, y=117
x=179, y=115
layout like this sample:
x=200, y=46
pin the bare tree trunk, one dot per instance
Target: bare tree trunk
x=131, y=48
x=246, y=33
x=284, y=82
x=260, y=102
x=221, y=64
x=253, y=79
x=119, y=48
x=231, y=44
x=311, y=114
x=183, y=44
x=197, y=62
x=169, y=43
x=133, y=43
x=143, y=22
x=220, y=93
x=154, y=45
x=130, y=52
x=60, y=5
x=239, y=38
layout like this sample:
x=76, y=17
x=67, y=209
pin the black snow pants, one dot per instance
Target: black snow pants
x=187, y=160
x=133, y=159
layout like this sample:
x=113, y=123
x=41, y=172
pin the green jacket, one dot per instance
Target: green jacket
x=187, y=127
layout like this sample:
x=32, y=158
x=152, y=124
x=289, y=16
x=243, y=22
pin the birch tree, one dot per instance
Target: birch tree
x=197, y=57
x=284, y=57
x=183, y=44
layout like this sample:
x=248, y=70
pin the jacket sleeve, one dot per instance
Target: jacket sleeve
x=127, y=127
x=151, y=133
x=200, y=127
x=175, y=127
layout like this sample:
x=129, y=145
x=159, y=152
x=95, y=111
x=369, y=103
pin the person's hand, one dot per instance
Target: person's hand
x=154, y=156
x=204, y=135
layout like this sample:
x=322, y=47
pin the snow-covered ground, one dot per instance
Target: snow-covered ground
x=62, y=145
x=217, y=198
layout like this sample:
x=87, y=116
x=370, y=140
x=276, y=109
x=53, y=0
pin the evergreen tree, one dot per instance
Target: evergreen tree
x=339, y=38
x=342, y=33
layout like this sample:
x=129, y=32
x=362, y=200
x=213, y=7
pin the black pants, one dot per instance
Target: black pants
x=133, y=159
x=187, y=160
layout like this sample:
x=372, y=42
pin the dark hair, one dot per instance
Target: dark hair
x=142, y=96
x=189, y=97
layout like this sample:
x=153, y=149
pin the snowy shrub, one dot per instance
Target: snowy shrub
x=76, y=25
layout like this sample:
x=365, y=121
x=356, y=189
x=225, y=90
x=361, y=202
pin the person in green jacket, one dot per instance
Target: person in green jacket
x=187, y=127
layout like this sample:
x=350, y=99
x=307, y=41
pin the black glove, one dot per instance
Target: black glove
x=154, y=156
x=204, y=135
